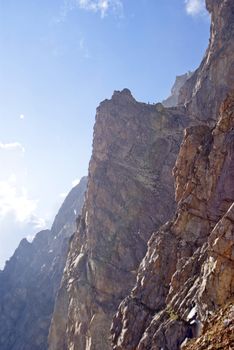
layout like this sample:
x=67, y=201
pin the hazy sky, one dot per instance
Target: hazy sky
x=59, y=59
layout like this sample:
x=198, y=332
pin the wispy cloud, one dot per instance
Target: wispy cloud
x=83, y=48
x=38, y=223
x=195, y=7
x=103, y=7
x=12, y=146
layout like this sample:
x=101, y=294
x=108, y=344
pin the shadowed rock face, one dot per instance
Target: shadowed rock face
x=30, y=280
x=214, y=79
x=130, y=194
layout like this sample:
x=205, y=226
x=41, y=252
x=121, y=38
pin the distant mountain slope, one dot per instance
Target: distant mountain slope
x=173, y=99
x=30, y=280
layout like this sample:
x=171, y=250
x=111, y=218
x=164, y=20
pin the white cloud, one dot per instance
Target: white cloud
x=63, y=194
x=22, y=116
x=30, y=238
x=12, y=146
x=21, y=213
x=195, y=7
x=14, y=199
x=75, y=182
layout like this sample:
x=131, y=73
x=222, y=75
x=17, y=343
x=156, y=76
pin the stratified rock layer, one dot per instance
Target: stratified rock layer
x=187, y=273
x=130, y=194
x=31, y=278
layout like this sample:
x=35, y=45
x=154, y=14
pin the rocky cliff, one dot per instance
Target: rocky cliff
x=186, y=278
x=187, y=273
x=130, y=194
x=30, y=280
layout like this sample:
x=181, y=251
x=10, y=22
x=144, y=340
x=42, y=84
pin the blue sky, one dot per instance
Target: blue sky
x=59, y=59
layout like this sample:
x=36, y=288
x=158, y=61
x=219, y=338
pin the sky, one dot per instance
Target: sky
x=59, y=59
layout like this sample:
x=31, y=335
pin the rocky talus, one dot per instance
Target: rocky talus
x=31, y=278
x=130, y=194
x=187, y=273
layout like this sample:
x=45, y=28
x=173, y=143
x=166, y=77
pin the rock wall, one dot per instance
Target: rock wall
x=130, y=194
x=31, y=278
x=187, y=273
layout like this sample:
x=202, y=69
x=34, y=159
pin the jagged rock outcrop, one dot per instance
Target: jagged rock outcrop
x=187, y=273
x=130, y=194
x=214, y=79
x=31, y=278
x=173, y=99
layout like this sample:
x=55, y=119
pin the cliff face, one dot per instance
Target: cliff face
x=30, y=280
x=130, y=194
x=203, y=93
x=187, y=273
